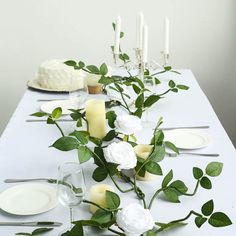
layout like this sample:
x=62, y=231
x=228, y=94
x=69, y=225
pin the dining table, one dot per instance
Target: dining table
x=25, y=152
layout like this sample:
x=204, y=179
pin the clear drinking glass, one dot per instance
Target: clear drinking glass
x=149, y=84
x=78, y=96
x=70, y=187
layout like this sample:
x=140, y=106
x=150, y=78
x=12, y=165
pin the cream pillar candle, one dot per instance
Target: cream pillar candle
x=98, y=195
x=96, y=117
x=143, y=151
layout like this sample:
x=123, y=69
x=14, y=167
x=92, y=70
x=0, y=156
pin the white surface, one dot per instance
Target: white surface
x=28, y=199
x=202, y=37
x=188, y=138
x=25, y=153
x=48, y=107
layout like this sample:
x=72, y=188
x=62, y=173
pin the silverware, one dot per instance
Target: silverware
x=173, y=154
x=34, y=224
x=30, y=180
x=186, y=127
x=44, y=120
x=49, y=100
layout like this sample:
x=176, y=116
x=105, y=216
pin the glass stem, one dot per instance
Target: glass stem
x=71, y=217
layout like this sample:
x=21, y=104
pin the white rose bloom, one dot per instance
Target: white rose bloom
x=121, y=153
x=128, y=124
x=134, y=219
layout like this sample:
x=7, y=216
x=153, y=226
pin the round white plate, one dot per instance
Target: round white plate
x=188, y=138
x=48, y=107
x=28, y=199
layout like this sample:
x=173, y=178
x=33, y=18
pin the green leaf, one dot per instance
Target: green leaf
x=81, y=64
x=111, y=116
x=66, y=144
x=208, y=208
x=77, y=230
x=50, y=121
x=157, y=81
x=22, y=233
x=205, y=182
x=56, y=113
x=103, y=69
x=93, y=69
x=153, y=168
x=180, y=186
x=167, y=68
x=112, y=200
x=158, y=154
x=172, y=147
x=219, y=219
x=110, y=135
x=105, y=80
x=139, y=101
x=113, y=26
x=167, y=179
x=79, y=123
x=96, y=141
x=39, y=114
x=112, y=167
x=171, y=195
x=84, y=154
x=122, y=34
x=136, y=89
x=81, y=136
x=151, y=233
x=99, y=174
x=214, y=169
x=70, y=63
x=171, y=84
x=183, y=87
x=199, y=221
x=175, y=90
x=102, y=216
x=41, y=231
x=140, y=172
x=197, y=173
x=138, y=112
x=99, y=152
x=119, y=88
x=151, y=100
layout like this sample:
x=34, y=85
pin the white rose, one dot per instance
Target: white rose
x=134, y=220
x=128, y=124
x=121, y=153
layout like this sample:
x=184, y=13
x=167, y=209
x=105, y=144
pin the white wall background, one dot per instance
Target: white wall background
x=203, y=38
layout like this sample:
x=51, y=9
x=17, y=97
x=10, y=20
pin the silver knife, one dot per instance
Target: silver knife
x=44, y=120
x=30, y=180
x=49, y=100
x=33, y=224
x=186, y=127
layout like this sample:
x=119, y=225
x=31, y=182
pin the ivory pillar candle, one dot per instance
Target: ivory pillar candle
x=98, y=195
x=143, y=151
x=96, y=117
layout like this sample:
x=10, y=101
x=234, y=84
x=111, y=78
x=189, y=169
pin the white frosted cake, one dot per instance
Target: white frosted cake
x=54, y=74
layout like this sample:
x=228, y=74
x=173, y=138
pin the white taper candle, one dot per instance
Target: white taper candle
x=145, y=44
x=139, y=30
x=117, y=35
x=167, y=36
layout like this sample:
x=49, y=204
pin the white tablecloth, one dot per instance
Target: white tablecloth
x=24, y=153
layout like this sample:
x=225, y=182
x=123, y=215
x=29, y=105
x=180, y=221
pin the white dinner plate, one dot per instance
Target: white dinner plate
x=48, y=107
x=188, y=138
x=28, y=199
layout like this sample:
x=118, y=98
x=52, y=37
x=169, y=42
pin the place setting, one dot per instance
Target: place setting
x=119, y=172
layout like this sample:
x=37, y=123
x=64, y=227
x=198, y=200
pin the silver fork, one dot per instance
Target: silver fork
x=173, y=154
